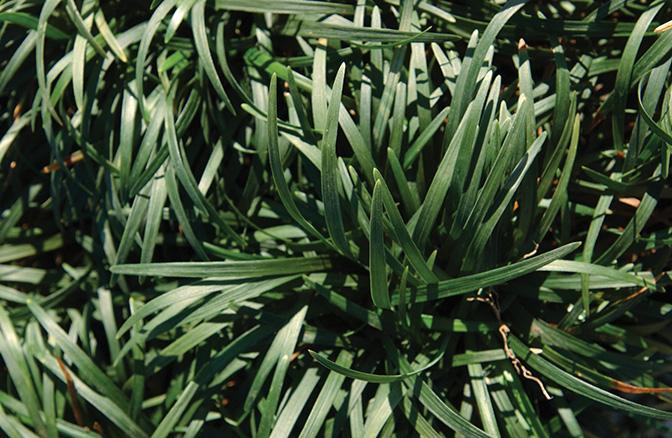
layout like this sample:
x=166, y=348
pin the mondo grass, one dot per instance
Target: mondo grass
x=331, y=218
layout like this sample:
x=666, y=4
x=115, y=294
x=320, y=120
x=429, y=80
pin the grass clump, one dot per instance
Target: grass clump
x=303, y=218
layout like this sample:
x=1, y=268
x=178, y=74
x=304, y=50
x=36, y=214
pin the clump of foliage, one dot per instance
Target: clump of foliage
x=302, y=218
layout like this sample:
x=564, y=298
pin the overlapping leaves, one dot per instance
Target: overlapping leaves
x=304, y=217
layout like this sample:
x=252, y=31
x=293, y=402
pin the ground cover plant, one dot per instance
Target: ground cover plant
x=312, y=218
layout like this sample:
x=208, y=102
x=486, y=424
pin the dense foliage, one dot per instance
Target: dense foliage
x=300, y=218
